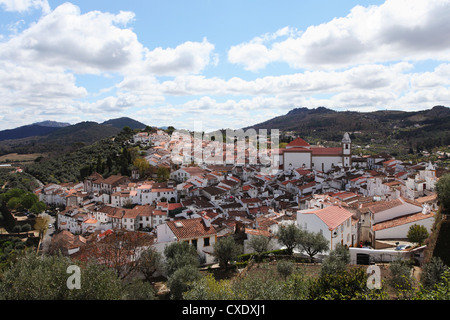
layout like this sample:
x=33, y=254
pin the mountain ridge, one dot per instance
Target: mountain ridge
x=36, y=138
x=425, y=128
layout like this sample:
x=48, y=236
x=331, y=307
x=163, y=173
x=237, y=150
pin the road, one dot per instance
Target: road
x=47, y=238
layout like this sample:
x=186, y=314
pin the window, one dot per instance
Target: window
x=206, y=242
x=194, y=243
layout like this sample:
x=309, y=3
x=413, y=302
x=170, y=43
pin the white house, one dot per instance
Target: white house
x=198, y=232
x=333, y=222
x=398, y=228
x=388, y=210
x=185, y=173
x=300, y=154
x=124, y=197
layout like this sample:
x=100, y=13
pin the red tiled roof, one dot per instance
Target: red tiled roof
x=298, y=142
x=327, y=151
x=190, y=228
x=401, y=220
x=385, y=205
x=332, y=216
x=296, y=149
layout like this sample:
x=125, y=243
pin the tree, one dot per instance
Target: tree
x=226, y=250
x=336, y=261
x=208, y=288
x=400, y=275
x=119, y=251
x=260, y=244
x=289, y=236
x=417, y=234
x=260, y=286
x=150, y=262
x=180, y=281
x=142, y=165
x=432, y=273
x=313, y=243
x=178, y=255
x=139, y=290
x=344, y=285
x=443, y=192
x=162, y=173
x=41, y=224
x=36, y=277
x=38, y=207
x=285, y=268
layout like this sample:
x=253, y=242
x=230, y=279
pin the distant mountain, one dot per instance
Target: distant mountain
x=85, y=132
x=53, y=124
x=26, y=131
x=36, y=129
x=428, y=128
x=120, y=123
x=38, y=139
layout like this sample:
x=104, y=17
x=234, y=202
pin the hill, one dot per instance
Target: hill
x=120, y=123
x=36, y=129
x=84, y=132
x=58, y=139
x=412, y=129
x=26, y=131
x=50, y=123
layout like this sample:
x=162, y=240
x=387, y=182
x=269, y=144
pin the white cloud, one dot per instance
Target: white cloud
x=25, y=5
x=395, y=30
x=187, y=58
x=83, y=43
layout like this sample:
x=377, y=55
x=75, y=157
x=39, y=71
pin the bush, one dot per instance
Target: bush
x=181, y=280
x=400, y=275
x=432, y=273
x=285, y=268
x=344, y=285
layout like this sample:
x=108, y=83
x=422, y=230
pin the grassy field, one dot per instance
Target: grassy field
x=19, y=158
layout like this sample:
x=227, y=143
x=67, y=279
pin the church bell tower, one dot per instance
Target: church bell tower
x=346, y=151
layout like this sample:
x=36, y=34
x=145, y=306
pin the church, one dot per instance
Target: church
x=300, y=154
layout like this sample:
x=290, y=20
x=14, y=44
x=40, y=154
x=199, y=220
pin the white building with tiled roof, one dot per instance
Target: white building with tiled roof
x=198, y=232
x=300, y=154
x=333, y=222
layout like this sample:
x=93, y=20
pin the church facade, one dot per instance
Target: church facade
x=300, y=154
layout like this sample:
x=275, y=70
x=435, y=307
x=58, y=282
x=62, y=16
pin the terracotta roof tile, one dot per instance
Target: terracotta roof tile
x=401, y=221
x=190, y=228
x=332, y=216
x=298, y=142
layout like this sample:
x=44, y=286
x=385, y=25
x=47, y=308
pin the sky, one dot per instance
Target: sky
x=216, y=64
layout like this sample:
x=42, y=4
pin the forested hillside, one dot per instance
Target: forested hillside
x=416, y=129
x=106, y=156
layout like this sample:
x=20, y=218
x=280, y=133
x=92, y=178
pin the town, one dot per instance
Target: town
x=365, y=203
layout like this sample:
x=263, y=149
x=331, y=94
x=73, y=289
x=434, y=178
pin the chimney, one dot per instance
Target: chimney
x=206, y=221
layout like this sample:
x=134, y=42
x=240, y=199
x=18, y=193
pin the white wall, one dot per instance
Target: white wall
x=327, y=162
x=313, y=223
x=401, y=232
x=395, y=212
x=297, y=159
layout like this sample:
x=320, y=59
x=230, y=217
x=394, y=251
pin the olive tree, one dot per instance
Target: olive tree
x=226, y=250
x=289, y=236
x=312, y=243
x=443, y=193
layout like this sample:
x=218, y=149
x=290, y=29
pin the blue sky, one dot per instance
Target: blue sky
x=220, y=64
